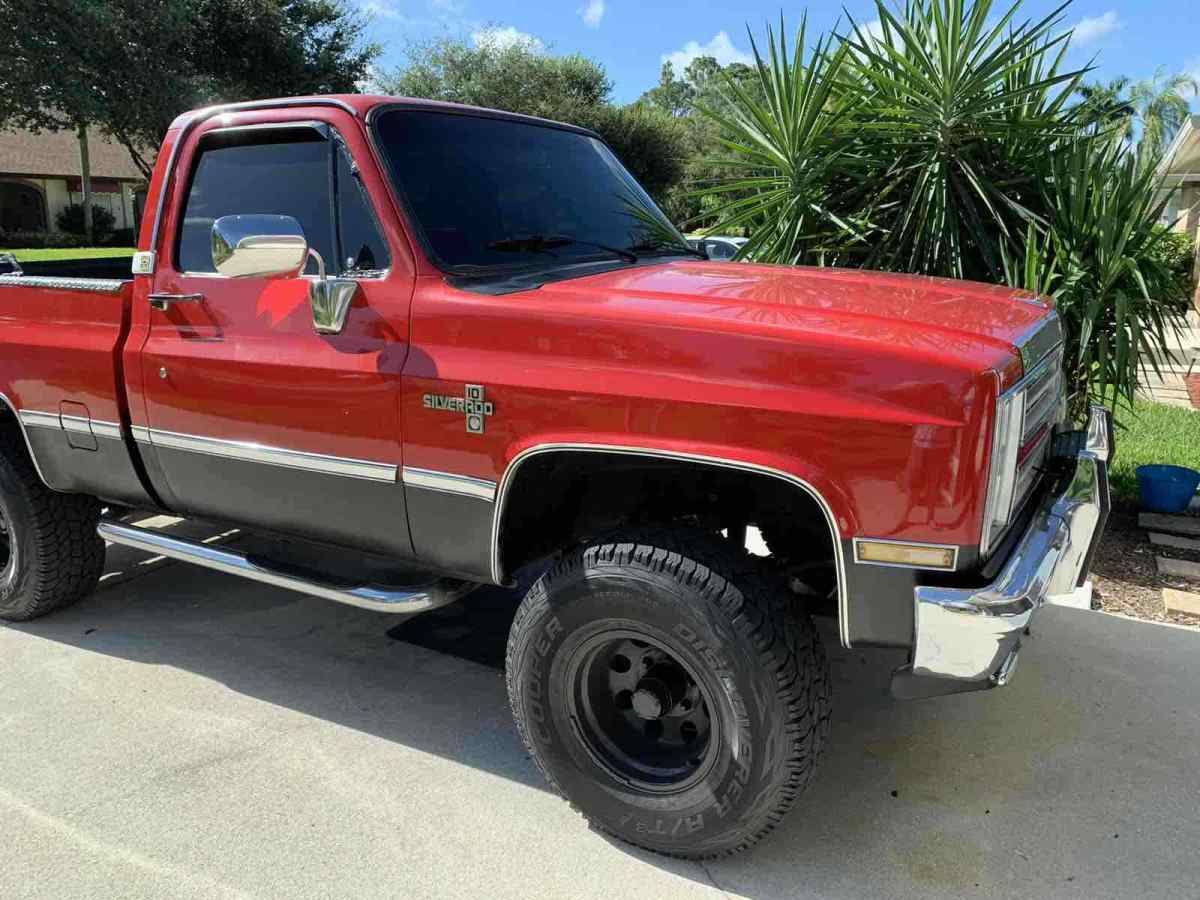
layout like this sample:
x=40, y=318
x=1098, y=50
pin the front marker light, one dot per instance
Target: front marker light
x=1002, y=475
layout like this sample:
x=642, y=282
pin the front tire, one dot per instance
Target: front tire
x=50, y=554
x=671, y=690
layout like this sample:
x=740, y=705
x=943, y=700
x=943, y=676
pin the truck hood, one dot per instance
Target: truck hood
x=918, y=311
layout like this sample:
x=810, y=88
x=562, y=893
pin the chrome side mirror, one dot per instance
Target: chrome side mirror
x=330, y=299
x=258, y=246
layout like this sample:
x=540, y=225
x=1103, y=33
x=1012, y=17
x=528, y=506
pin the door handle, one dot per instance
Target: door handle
x=162, y=301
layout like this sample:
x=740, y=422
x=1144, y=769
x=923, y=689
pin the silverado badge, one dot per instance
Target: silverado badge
x=473, y=404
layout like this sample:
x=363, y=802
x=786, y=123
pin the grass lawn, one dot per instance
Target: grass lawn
x=1152, y=433
x=41, y=255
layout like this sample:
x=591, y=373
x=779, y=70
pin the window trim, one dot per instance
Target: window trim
x=335, y=142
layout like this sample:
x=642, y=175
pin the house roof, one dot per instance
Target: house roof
x=56, y=153
x=1183, y=156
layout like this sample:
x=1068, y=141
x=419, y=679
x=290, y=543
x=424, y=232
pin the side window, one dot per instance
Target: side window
x=362, y=248
x=719, y=250
x=286, y=174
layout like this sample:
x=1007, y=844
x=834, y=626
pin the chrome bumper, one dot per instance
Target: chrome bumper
x=967, y=639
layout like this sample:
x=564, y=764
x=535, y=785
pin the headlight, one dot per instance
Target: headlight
x=1002, y=474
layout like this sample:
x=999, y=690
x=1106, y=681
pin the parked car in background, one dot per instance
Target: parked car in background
x=718, y=246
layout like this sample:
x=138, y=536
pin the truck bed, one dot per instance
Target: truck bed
x=63, y=325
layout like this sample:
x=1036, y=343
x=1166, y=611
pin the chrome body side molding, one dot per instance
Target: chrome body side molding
x=839, y=560
x=273, y=456
x=36, y=419
x=449, y=483
x=417, y=598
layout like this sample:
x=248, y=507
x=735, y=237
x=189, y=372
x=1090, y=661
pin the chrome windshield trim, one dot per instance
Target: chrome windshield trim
x=248, y=451
x=449, y=483
x=839, y=559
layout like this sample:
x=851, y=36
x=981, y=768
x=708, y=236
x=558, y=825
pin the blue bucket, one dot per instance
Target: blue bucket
x=1167, y=489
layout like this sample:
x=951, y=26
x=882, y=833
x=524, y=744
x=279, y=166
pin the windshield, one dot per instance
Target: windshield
x=497, y=194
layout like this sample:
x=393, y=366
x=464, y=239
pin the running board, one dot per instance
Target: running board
x=374, y=597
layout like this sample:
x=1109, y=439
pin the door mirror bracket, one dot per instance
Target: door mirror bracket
x=330, y=298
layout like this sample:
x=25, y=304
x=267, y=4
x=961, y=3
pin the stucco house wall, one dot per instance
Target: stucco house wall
x=1180, y=173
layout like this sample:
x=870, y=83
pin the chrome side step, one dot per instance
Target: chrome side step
x=413, y=599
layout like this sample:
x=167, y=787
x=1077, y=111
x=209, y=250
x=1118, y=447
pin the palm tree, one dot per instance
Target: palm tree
x=1147, y=113
x=1163, y=107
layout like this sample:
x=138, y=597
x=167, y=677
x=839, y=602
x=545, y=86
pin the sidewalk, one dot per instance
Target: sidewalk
x=1168, y=386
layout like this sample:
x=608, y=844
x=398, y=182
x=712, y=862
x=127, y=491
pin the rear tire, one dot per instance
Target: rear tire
x=50, y=554
x=671, y=690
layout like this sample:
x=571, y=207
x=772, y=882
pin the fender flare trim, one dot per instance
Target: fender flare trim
x=16, y=414
x=514, y=465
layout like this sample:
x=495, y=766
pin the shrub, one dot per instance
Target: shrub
x=36, y=240
x=70, y=220
x=648, y=142
x=123, y=237
x=1178, y=252
x=1099, y=254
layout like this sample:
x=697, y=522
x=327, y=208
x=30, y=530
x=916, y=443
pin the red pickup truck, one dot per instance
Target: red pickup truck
x=436, y=347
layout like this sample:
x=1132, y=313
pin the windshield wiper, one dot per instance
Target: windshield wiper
x=663, y=245
x=535, y=243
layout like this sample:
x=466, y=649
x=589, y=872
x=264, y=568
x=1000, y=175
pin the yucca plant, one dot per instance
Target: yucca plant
x=1096, y=253
x=960, y=100
x=788, y=165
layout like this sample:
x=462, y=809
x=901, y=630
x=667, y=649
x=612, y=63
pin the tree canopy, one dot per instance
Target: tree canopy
x=131, y=66
x=522, y=77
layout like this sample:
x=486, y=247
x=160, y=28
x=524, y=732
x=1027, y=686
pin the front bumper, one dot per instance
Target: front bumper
x=968, y=639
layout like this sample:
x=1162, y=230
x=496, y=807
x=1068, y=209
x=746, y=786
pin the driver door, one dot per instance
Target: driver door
x=254, y=417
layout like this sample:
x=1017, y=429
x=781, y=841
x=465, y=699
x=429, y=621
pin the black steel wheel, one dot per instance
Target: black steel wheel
x=8, y=547
x=641, y=713
x=671, y=688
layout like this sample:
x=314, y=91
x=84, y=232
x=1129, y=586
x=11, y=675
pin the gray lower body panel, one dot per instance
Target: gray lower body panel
x=353, y=512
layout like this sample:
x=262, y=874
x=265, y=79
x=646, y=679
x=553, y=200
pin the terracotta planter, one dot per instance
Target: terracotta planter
x=1193, y=388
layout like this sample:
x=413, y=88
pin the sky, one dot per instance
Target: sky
x=632, y=38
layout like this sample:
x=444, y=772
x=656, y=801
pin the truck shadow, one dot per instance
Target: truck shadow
x=1020, y=790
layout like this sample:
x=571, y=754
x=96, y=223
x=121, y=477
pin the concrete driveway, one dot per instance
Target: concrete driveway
x=186, y=734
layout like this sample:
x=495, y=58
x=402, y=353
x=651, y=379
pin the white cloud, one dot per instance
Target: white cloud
x=381, y=9
x=592, y=13
x=501, y=38
x=1093, y=28
x=720, y=47
x=386, y=11
x=449, y=6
